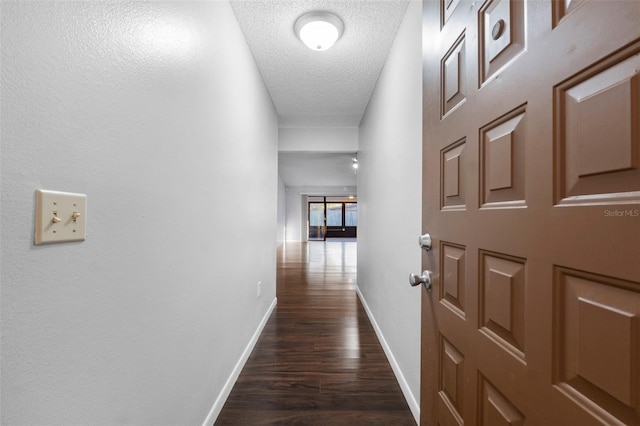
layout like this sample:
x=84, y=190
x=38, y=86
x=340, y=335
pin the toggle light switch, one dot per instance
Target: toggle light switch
x=60, y=217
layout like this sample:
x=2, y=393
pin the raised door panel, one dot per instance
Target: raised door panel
x=451, y=380
x=453, y=76
x=494, y=408
x=502, y=29
x=597, y=343
x=502, y=156
x=453, y=288
x=597, y=138
x=502, y=301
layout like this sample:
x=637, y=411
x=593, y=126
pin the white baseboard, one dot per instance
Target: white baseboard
x=414, y=406
x=226, y=389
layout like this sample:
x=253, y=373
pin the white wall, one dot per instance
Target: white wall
x=389, y=204
x=318, y=139
x=296, y=206
x=294, y=231
x=282, y=212
x=144, y=107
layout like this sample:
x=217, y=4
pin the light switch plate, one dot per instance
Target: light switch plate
x=60, y=217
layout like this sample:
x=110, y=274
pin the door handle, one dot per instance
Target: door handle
x=424, y=279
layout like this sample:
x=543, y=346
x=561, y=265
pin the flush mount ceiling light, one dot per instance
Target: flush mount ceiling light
x=319, y=30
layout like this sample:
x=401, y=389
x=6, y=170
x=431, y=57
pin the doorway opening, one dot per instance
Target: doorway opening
x=332, y=218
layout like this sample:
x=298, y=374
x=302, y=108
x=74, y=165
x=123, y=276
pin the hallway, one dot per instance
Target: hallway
x=318, y=360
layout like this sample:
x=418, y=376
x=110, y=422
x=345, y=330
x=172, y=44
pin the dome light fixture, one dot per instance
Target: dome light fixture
x=319, y=30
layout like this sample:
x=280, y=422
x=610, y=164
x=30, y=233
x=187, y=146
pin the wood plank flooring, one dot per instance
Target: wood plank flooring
x=318, y=361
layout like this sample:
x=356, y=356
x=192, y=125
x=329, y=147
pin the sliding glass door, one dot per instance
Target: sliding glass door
x=334, y=217
x=351, y=214
x=316, y=221
x=334, y=214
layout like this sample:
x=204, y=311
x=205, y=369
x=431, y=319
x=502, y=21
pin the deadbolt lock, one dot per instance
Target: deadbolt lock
x=425, y=241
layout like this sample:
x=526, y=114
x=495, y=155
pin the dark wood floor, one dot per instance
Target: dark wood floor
x=318, y=361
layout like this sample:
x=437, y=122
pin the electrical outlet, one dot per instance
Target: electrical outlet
x=259, y=289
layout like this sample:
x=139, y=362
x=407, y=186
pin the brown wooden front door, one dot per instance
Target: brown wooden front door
x=532, y=195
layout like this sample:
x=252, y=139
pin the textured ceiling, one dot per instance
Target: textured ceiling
x=316, y=169
x=320, y=89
